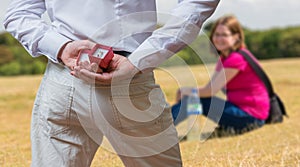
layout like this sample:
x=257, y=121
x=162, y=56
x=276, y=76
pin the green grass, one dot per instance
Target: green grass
x=272, y=145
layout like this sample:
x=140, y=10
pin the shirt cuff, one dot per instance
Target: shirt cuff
x=146, y=57
x=165, y=42
x=51, y=43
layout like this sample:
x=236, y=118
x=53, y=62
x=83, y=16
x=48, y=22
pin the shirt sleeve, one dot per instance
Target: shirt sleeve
x=23, y=20
x=236, y=61
x=180, y=30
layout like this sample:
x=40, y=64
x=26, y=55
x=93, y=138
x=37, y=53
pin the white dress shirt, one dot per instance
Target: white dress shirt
x=128, y=25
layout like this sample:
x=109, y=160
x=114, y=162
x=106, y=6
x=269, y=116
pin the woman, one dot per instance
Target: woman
x=247, y=103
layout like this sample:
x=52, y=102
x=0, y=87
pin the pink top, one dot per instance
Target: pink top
x=245, y=90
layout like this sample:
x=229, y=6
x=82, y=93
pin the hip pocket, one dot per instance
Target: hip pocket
x=142, y=112
x=55, y=106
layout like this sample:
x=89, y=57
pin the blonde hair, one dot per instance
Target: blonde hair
x=234, y=27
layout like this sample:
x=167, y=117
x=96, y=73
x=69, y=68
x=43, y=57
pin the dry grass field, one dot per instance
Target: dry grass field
x=271, y=145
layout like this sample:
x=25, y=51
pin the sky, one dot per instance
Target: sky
x=253, y=14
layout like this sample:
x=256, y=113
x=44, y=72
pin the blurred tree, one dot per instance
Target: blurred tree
x=289, y=44
x=274, y=43
x=12, y=68
x=6, y=55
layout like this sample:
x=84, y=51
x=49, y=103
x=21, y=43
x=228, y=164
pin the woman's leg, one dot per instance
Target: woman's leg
x=224, y=113
x=228, y=115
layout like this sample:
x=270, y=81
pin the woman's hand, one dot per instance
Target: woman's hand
x=183, y=91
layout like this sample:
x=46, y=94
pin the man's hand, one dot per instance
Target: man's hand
x=119, y=69
x=69, y=52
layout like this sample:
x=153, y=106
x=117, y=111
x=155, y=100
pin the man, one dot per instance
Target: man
x=73, y=112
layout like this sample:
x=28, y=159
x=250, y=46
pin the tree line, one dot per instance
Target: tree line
x=15, y=60
x=264, y=44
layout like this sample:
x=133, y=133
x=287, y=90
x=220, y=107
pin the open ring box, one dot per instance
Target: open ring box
x=99, y=54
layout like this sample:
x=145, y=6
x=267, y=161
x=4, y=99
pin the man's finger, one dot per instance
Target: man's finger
x=70, y=63
x=104, y=78
x=77, y=72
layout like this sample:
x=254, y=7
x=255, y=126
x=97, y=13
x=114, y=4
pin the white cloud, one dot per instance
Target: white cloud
x=262, y=14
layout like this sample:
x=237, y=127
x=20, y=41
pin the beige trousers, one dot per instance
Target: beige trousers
x=70, y=118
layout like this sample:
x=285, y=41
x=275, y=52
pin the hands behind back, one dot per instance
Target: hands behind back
x=120, y=68
x=69, y=52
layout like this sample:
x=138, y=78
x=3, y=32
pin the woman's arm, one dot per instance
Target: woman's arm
x=217, y=82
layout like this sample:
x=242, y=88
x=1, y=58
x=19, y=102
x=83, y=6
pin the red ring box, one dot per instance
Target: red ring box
x=99, y=54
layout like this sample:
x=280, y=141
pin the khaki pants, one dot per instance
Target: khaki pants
x=70, y=118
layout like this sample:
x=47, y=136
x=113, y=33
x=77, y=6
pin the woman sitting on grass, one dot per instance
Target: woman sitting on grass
x=247, y=104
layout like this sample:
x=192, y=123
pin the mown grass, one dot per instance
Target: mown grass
x=272, y=145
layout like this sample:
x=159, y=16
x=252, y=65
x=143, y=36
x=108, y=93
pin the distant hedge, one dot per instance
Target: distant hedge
x=274, y=43
x=15, y=60
x=267, y=44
